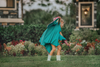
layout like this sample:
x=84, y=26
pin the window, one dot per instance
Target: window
x=86, y=18
x=10, y=3
x=3, y=3
x=86, y=14
x=7, y=4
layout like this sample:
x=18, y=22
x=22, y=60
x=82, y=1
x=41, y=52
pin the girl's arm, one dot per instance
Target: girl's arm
x=65, y=41
x=61, y=33
x=53, y=23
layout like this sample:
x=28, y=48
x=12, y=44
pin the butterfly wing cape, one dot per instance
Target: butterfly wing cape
x=51, y=35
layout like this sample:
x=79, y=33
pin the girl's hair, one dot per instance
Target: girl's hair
x=60, y=20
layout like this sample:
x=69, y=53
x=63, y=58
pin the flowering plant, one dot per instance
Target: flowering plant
x=31, y=48
x=17, y=49
x=78, y=40
x=84, y=43
x=91, y=51
x=97, y=40
x=77, y=49
x=14, y=42
x=22, y=42
x=89, y=45
x=17, y=42
x=97, y=48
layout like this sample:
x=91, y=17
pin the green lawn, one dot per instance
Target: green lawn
x=40, y=61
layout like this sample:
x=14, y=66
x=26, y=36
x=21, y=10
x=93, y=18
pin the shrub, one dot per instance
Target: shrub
x=39, y=50
x=0, y=47
x=66, y=33
x=77, y=49
x=61, y=52
x=98, y=31
x=55, y=52
x=26, y=44
x=28, y=48
x=9, y=43
x=65, y=47
x=13, y=50
x=91, y=51
x=84, y=52
x=84, y=34
x=17, y=50
x=1, y=34
x=31, y=48
x=37, y=17
x=84, y=43
x=97, y=49
x=22, y=33
x=14, y=42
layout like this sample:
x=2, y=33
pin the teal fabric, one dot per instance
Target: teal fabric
x=51, y=36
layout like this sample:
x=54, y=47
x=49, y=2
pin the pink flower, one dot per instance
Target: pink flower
x=21, y=40
x=96, y=39
x=80, y=40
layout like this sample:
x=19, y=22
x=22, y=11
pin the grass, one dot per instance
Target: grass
x=40, y=61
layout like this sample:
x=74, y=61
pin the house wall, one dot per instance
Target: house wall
x=16, y=13
x=10, y=13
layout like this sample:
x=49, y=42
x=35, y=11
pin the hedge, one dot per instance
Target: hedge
x=26, y=32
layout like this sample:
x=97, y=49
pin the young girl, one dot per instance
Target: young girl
x=50, y=37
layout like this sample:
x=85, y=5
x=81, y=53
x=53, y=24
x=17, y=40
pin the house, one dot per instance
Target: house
x=9, y=12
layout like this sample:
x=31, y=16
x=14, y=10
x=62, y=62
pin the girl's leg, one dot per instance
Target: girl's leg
x=59, y=49
x=58, y=53
x=53, y=49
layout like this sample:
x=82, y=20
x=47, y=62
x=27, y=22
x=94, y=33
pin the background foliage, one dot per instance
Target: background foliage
x=25, y=32
x=35, y=23
x=84, y=34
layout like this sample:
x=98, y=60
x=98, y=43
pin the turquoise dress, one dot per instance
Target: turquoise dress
x=51, y=36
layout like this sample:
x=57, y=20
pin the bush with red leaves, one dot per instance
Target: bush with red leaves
x=14, y=42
